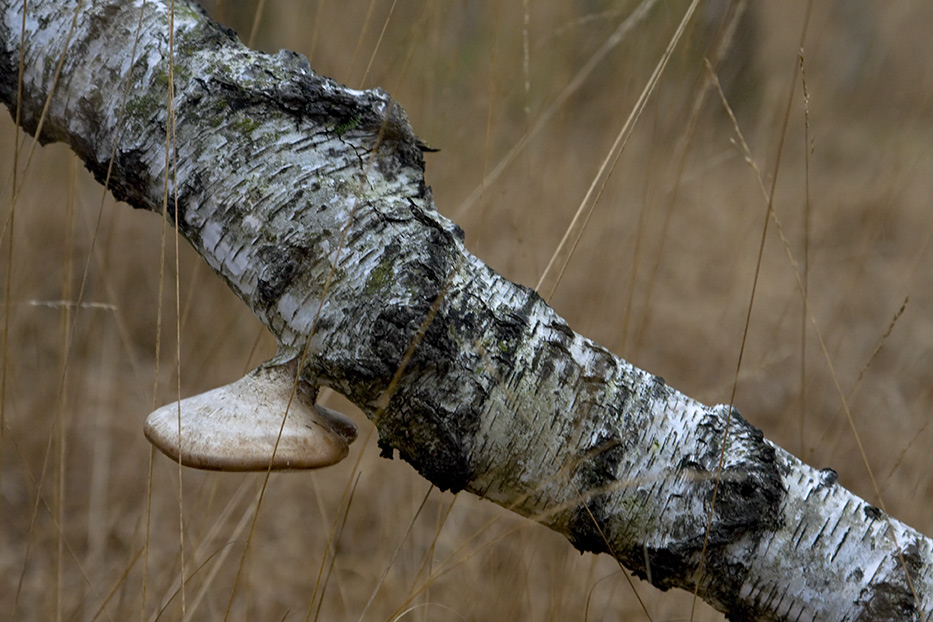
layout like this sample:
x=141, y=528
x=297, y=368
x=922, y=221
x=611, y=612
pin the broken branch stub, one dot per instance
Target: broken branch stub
x=262, y=421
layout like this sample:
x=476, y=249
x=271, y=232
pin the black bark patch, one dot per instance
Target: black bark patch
x=509, y=330
x=129, y=180
x=657, y=387
x=8, y=71
x=279, y=268
x=175, y=210
x=892, y=599
x=828, y=478
x=434, y=436
x=393, y=331
x=586, y=527
x=434, y=443
x=749, y=493
x=662, y=566
x=605, y=457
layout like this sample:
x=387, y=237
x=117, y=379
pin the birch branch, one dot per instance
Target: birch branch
x=309, y=200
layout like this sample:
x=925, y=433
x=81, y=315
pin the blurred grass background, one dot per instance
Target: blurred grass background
x=662, y=275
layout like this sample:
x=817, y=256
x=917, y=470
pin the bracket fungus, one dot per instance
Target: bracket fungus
x=259, y=422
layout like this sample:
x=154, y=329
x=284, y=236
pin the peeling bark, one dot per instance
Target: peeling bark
x=309, y=200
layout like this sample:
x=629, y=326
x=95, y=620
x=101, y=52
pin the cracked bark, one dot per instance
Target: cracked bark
x=309, y=200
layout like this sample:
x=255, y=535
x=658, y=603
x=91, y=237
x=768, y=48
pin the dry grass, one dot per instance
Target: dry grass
x=668, y=292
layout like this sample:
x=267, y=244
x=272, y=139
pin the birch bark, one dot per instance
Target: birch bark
x=309, y=200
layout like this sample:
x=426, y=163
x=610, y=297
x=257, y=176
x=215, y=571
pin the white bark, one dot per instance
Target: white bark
x=309, y=200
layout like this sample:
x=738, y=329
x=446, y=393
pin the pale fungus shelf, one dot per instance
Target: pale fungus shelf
x=261, y=421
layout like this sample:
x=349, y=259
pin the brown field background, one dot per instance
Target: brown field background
x=662, y=275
